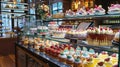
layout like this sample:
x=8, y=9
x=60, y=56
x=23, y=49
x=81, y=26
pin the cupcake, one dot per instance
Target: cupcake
x=66, y=51
x=96, y=59
x=78, y=63
x=84, y=56
x=114, y=58
x=91, y=52
x=108, y=62
x=70, y=60
x=62, y=58
x=89, y=63
x=78, y=48
x=100, y=64
x=115, y=65
x=103, y=55
x=72, y=51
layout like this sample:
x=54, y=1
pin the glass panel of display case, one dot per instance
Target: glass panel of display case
x=55, y=6
x=60, y=11
x=7, y=24
x=54, y=12
x=19, y=21
x=32, y=11
x=60, y=5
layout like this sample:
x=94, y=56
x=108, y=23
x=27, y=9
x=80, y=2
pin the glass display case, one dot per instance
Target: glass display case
x=62, y=48
x=9, y=12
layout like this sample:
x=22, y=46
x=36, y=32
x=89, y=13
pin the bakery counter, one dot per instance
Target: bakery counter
x=30, y=55
x=7, y=45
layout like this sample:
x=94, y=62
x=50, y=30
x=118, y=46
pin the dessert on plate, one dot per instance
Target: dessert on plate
x=114, y=9
x=81, y=12
x=98, y=10
x=69, y=13
x=108, y=62
x=91, y=11
x=78, y=63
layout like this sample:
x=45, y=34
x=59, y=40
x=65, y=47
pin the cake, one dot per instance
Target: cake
x=114, y=9
x=69, y=13
x=108, y=62
x=76, y=34
x=89, y=63
x=114, y=58
x=91, y=11
x=84, y=56
x=33, y=30
x=59, y=33
x=62, y=57
x=42, y=30
x=91, y=52
x=81, y=12
x=100, y=64
x=101, y=36
x=77, y=62
x=70, y=60
x=52, y=26
x=96, y=59
x=98, y=10
x=115, y=65
x=103, y=55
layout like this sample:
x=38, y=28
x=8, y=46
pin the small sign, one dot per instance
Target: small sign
x=73, y=40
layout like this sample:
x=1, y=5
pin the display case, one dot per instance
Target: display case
x=40, y=47
x=10, y=11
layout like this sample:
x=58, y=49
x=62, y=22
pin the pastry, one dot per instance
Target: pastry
x=98, y=10
x=89, y=63
x=114, y=9
x=70, y=60
x=100, y=64
x=62, y=58
x=108, y=62
x=78, y=63
x=103, y=55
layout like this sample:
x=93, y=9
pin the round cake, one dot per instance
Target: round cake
x=59, y=33
x=99, y=36
x=114, y=9
x=76, y=34
x=42, y=30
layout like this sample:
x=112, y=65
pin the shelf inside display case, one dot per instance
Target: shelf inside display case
x=81, y=43
x=89, y=17
x=13, y=3
x=14, y=9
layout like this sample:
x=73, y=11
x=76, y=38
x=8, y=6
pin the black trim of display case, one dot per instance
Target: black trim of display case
x=40, y=56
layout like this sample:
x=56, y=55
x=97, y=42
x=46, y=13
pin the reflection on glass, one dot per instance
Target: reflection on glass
x=60, y=10
x=60, y=4
x=55, y=6
x=54, y=12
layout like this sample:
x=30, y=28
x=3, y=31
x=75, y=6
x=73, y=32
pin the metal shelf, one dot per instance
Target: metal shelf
x=13, y=3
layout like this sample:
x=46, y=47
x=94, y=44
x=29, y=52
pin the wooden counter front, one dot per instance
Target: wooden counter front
x=7, y=45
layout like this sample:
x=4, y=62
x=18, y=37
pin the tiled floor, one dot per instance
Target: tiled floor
x=7, y=61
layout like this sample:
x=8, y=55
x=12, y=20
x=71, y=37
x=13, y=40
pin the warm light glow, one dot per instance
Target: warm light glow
x=76, y=4
x=14, y=1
